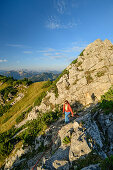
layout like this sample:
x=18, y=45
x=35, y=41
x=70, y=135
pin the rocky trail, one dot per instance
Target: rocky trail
x=86, y=133
x=52, y=142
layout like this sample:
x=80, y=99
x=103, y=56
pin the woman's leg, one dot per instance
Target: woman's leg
x=66, y=117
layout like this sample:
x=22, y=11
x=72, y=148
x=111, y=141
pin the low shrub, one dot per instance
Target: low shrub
x=4, y=109
x=107, y=106
x=8, y=90
x=81, y=54
x=91, y=158
x=88, y=77
x=107, y=163
x=39, y=125
x=24, y=82
x=47, y=84
x=7, y=141
x=39, y=99
x=54, y=90
x=4, y=79
x=106, y=102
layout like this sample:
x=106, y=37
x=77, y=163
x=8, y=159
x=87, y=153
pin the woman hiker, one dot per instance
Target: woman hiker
x=67, y=110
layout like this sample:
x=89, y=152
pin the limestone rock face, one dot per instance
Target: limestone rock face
x=61, y=165
x=86, y=80
x=15, y=159
x=79, y=146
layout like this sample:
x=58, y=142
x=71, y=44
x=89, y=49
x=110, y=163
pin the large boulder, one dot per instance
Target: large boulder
x=79, y=146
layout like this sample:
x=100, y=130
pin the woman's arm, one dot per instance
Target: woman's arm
x=63, y=108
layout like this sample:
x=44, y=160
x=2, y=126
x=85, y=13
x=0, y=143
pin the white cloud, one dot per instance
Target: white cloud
x=3, y=60
x=54, y=23
x=65, y=6
x=58, y=56
x=66, y=53
x=61, y=6
x=45, y=50
x=74, y=49
x=27, y=52
x=15, y=45
x=80, y=43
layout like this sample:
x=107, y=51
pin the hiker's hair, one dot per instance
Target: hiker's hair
x=66, y=101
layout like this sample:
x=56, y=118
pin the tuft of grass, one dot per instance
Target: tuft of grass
x=79, y=63
x=74, y=61
x=88, y=77
x=75, y=82
x=81, y=54
x=100, y=73
x=66, y=140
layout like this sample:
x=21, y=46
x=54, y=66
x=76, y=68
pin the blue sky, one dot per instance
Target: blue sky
x=49, y=34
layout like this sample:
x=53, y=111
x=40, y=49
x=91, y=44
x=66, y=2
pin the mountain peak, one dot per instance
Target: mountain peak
x=89, y=75
x=107, y=42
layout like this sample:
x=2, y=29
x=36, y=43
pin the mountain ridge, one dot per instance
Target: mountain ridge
x=34, y=76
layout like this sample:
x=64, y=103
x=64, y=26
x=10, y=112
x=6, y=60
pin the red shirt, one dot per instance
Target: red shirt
x=68, y=109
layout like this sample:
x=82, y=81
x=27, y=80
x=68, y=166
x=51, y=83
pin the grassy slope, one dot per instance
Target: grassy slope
x=33, y=92
x=3, y=86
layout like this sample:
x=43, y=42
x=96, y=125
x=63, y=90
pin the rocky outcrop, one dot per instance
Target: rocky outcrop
x=19, y=97
x=86, y=79
x=86, y=133
x=14, y=159
x=85, y=137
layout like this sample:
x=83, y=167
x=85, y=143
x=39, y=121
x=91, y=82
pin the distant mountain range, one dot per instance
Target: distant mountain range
x=31, y=75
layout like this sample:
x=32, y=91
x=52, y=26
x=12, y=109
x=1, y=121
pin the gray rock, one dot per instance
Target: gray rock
x=92, y=167
x=110, y=133
x=47, y=140
x=79, y=146
x=61, y=154
x=95, y=133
